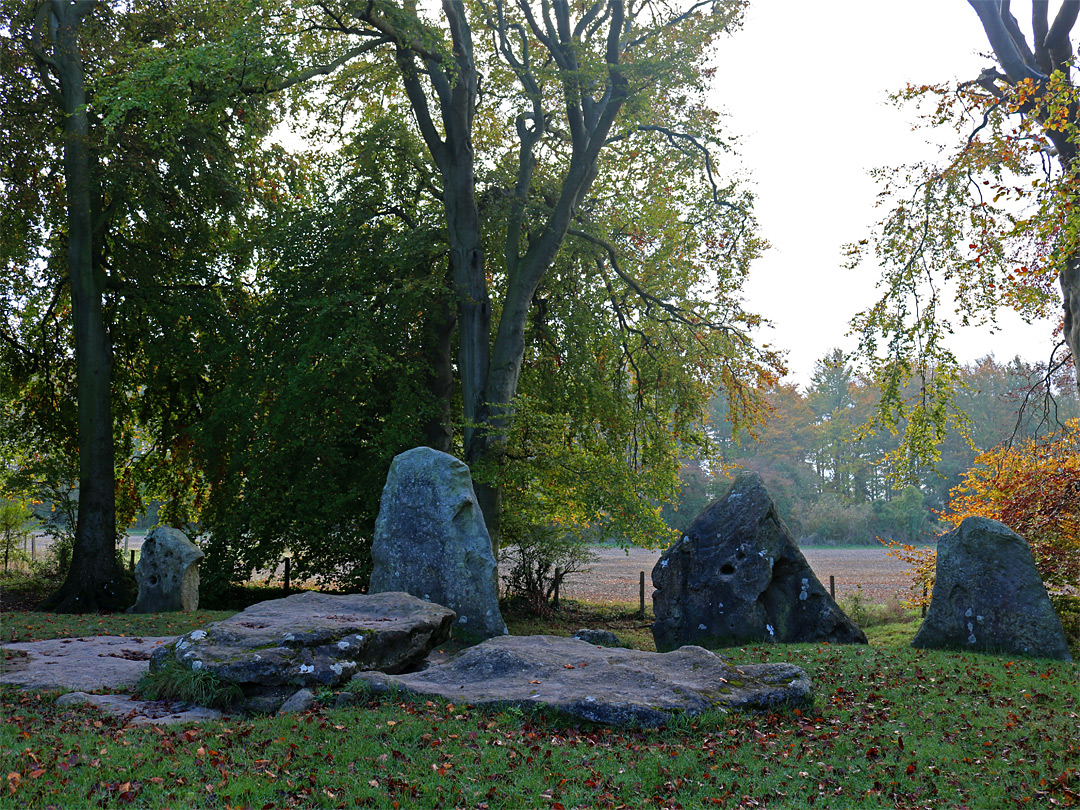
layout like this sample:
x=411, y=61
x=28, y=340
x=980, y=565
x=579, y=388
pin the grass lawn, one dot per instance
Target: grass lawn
x=891, y=727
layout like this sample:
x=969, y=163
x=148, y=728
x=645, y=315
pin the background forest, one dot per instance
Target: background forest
x=830, y=472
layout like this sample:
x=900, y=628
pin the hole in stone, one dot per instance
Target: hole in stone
x=727, y=568
x=740, y=554
x=153, y=580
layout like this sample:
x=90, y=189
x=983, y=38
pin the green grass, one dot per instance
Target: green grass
x=891, y=726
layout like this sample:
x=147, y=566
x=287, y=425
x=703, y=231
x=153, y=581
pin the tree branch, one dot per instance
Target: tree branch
x=1040, y=27
x=1008, y=55
x=1057, y=39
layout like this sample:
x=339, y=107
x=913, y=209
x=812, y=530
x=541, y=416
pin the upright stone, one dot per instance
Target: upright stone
x=989, y=596
x=167, y=573
x=737, y=576
x=431, y=541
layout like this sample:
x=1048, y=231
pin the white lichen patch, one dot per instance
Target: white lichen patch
x=772, y=633
x=196, y=664
x=306, y=669
x=289, y=637
x=702, y=627
x=197, y=635
x=463, y=620
x=182, y=644
x=663, y=563
x=343, y=645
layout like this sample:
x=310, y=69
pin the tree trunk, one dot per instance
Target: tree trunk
x=94, y=579
x=1070, y=293
x=438, y=432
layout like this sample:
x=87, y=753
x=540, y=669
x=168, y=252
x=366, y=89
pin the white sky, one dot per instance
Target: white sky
x=805, y=86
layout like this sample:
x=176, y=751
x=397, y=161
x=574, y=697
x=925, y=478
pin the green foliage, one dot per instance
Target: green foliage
x=320, y=384
x=835, y=479
x=1067, y=607
x=988, y=227
x=15, y=528
x=199, y=686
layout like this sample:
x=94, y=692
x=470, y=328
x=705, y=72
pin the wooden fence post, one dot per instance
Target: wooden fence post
x=288, y=571
x=832, y=586
x=131, y=565
x=555, y=596
x=641, y=595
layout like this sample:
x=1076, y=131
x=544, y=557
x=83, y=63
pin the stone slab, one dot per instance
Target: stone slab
x=313, y=639
x=141, y=712
x=609, y=685
x=81, y=664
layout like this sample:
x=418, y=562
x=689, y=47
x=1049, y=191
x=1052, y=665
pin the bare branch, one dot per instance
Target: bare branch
x=1057, y=39
x=1008, y=55
x=1017, y=35
x=1040, y=27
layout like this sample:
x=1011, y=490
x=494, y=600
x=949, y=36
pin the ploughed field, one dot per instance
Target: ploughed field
x=614, y=576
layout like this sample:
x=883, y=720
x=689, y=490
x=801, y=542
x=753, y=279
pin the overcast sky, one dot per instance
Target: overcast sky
x=806, y=88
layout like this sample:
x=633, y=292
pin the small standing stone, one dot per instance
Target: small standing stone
x=167, y=573
x=989, y=596
x=431, y=541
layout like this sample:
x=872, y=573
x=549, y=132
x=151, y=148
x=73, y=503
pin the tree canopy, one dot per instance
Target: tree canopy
x=990, y=226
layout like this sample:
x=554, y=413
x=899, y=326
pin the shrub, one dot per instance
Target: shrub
x=540, y=558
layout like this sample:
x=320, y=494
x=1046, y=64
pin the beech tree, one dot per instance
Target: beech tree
x=121, y=161
x=550, y=89
x=994, y=225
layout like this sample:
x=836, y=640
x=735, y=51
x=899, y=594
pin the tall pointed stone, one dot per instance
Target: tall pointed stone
x=431, y=541
x=737, y=576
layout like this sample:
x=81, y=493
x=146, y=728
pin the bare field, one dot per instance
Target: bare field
x=614, y=577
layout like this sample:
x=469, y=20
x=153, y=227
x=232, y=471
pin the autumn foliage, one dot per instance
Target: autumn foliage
x=1033, y=487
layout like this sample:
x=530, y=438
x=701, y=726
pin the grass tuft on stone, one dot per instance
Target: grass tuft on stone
x=176, y=682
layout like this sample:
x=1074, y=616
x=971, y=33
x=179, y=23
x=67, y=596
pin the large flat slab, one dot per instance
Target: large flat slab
x=81, y=664
x=607, y=685
x=313, y=639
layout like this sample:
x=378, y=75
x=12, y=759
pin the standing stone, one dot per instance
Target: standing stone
x=989, y=596
x=737, y=576
x=167, y=573
x=431, y=541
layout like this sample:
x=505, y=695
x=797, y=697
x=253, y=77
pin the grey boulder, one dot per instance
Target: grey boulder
x=601, y=638
x=431, y=541
x=989, y=596
x=167, y=573
x=737, y=576
x=312, y=639
x=613, y=686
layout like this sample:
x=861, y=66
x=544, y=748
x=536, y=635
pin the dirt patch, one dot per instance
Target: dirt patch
x=615, y=576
